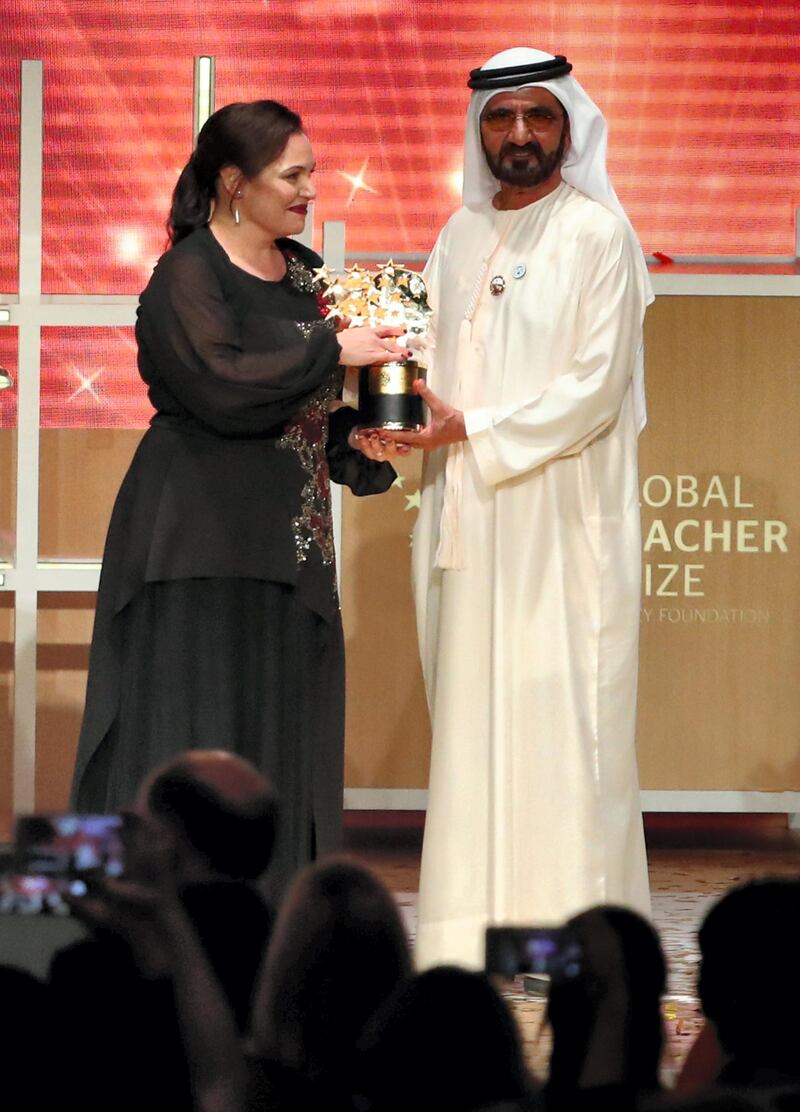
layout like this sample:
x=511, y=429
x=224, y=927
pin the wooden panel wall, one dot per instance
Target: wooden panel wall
x=8, y=464
x=6, y=708
x=388, y=736
x=719, y=702
x=80, y=472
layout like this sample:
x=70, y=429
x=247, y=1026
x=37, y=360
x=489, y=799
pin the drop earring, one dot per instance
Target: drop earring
x=236, y=217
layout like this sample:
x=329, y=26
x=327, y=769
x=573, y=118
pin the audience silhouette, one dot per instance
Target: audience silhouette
x=189, y=994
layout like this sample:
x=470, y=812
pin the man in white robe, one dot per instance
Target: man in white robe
x=527, y=549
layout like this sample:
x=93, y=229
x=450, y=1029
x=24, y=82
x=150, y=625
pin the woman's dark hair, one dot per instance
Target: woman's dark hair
x=248, y=136
x=755, y=1016
x=338, y=951
x=444, y=1040
x=572, y=1004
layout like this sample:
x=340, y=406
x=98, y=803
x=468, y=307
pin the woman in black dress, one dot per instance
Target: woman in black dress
x=217, y=622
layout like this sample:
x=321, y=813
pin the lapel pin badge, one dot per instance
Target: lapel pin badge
x=497, y=285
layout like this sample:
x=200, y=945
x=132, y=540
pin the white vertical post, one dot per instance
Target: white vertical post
x=27, y=516
x=333, y=244
x=333, y=239
x=205, y=68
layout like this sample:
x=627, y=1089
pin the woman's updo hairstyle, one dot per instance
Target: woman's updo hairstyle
x=248, y=136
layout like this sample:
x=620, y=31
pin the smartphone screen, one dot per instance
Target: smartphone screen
x=31, y=895
x=36, y=920
x=549, y=951
x=60, y=852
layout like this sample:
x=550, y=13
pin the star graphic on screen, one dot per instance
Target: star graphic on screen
x=86, y=383
x=357, y=182
x=412, y=501
x=399, y=482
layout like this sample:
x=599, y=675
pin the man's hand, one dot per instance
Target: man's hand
x=446, y=424
x=133, y=906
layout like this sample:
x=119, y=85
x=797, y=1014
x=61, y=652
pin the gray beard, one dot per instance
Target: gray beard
x=531, y=166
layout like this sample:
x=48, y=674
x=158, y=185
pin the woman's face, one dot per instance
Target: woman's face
x=276, y=199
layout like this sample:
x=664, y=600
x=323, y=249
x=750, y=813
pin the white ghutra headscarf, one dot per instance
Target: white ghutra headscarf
x=584, y=166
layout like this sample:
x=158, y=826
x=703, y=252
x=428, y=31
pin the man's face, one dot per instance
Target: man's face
x=524, y=136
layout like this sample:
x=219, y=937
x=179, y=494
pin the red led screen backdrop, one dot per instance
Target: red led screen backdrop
x=89, y=379
x=8, y=364
x=703, y=103
x=9, y=166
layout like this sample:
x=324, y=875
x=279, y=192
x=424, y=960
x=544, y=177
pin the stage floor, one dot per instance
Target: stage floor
x=693, y=859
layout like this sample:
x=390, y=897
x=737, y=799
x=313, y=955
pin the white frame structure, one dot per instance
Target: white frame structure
x=30, y=310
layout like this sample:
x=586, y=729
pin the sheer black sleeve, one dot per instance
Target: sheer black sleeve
x=350, y=467
x=191, y=344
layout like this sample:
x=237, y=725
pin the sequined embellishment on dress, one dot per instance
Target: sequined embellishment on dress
x=299, y=275
x=309, y=327
x=306, y=434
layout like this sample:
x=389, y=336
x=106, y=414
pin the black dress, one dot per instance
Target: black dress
x=217, y=622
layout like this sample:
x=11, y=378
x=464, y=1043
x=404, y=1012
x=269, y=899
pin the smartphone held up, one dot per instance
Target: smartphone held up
x=552, y=952
x=55, y=856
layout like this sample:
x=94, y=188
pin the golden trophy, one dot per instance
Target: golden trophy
x=391, y=296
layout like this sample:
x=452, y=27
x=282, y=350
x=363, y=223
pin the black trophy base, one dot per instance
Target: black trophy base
x=395, y=412
x=386, y=397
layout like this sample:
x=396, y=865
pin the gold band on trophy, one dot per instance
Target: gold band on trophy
x=394, y=378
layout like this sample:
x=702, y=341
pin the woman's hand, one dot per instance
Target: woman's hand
x=375, y=445
x=362, y=346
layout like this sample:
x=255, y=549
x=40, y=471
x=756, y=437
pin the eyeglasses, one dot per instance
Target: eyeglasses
x=540, y=120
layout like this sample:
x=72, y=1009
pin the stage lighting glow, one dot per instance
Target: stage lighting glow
x=129, y=247
x=455, y=181
x=357, y=182
x=86, y=383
